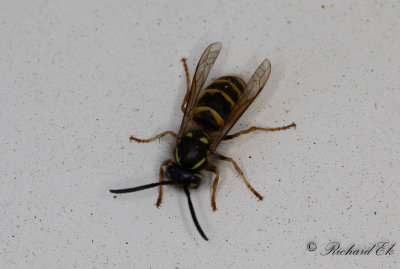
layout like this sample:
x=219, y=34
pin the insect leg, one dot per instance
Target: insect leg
x=159, y=136
x=224, y=158
x=255, y=128
x=161, y=178
x=187, y=85
x=215, y=170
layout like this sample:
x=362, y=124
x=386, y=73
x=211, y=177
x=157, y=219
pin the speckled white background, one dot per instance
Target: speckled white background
x=78, y=78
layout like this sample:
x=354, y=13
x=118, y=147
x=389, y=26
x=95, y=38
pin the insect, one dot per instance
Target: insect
x=209, y=114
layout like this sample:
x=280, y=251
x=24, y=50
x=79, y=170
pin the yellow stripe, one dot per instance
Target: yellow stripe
x=233, y=85
x=227, y=97
x=204, y=140
x=220, y=121
x=177, y=156
x=197, y=165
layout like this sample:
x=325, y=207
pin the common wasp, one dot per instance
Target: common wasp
x=209, y=114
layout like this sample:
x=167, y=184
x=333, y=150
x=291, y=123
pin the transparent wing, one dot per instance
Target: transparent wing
x=203, y=68
x=253, y=88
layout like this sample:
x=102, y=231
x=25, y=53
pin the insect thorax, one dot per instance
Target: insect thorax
x=217, y=101
x=192, y=150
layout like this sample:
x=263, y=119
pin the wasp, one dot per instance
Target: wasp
x=209, y=114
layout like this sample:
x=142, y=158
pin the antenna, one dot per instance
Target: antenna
x=144, y=187
x=194, y=214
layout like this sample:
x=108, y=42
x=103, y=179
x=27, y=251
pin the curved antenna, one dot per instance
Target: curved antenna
x=139, y=188
x=194, y=214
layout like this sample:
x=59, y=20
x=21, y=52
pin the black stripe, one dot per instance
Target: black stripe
x=237, y=81
x=206, y=120
x=225, y=87
x=216, y=101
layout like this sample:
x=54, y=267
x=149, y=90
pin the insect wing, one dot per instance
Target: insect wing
x=203, y=68
x=253, y=88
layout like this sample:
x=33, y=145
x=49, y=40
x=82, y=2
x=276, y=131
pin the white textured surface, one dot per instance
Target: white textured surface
x=79, y=77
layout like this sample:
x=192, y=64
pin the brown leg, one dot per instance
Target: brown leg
x=159, y=136
x=161, y=179
x=255, y=128
x=224, y=158
x=187, y=85
x=215, y=184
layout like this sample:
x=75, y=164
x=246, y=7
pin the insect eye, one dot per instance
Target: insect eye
x=195, y=180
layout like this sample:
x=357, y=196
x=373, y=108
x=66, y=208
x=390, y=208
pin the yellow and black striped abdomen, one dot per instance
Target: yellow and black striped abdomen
x=216, y=102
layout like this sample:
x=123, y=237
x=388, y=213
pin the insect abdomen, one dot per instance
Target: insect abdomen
x=217, y=101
